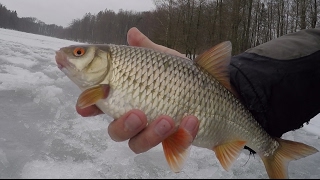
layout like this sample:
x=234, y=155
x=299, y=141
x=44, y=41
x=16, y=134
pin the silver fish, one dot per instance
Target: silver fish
x=164, y=84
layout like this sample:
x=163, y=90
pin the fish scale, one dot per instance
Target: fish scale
x=162, y=84
x=169, y=94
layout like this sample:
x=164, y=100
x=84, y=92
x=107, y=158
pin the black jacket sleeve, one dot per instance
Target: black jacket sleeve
x=279, y=81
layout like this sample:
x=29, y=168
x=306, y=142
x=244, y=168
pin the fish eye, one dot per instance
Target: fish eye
x=79, y=51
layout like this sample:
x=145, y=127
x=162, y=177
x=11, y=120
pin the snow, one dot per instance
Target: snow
x=42, y=136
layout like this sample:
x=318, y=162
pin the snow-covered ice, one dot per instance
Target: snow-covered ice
x=42, y=136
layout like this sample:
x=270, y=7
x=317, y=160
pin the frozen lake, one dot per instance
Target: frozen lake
x=42, y=136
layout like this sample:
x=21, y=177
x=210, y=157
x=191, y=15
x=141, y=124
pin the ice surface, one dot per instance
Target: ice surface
x=42, y=136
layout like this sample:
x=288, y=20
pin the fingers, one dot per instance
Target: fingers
x=136, y=38
x=133, y=126
x=152, y=135
x=191, y=124
x=159, y=130
x=127, y=125
x=89, y=111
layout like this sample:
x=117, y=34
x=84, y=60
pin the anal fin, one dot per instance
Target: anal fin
x=228, y=152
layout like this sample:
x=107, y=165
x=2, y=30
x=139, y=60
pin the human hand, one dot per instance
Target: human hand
x=133, y=125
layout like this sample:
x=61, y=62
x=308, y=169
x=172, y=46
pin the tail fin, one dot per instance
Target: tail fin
x=277, y=163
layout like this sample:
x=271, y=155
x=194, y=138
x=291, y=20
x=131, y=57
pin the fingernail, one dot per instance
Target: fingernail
x=163, y=127
x=191, y=124
x=96, y=112
x=132, y=122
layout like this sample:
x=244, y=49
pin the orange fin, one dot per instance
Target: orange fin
x=277, y=163
x=216, y=61
x=92, y=95
x=227, y=153
x=176, y=148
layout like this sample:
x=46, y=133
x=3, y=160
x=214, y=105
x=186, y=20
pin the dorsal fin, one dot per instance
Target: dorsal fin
x=216, y=61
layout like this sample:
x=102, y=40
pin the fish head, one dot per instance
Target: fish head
x=85, y=65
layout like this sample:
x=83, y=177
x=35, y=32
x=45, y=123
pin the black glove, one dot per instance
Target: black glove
x=279, y=81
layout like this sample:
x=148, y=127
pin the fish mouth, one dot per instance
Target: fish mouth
x=61, y=59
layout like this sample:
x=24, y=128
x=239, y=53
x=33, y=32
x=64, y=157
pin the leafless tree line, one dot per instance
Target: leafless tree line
x=189, y=26
x=9, y=19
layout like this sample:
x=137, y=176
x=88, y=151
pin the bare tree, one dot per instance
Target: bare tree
x=303, y=9
x=314, y=14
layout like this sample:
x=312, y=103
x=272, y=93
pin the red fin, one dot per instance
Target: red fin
x=176, y=148
x=277, y=163
x=216, y=61
x=92, y=95
x=227, y=153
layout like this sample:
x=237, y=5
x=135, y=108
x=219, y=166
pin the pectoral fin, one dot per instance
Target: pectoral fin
x=176, y=148
x=92, y=95
x=228, y=152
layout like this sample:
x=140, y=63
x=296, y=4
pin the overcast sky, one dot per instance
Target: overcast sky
x=62, y=12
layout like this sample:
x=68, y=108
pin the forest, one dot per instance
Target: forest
x=189, y=26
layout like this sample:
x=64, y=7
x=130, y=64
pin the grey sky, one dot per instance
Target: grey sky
x=61, y=12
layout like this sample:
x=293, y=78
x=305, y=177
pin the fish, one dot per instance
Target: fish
x=119, y=78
